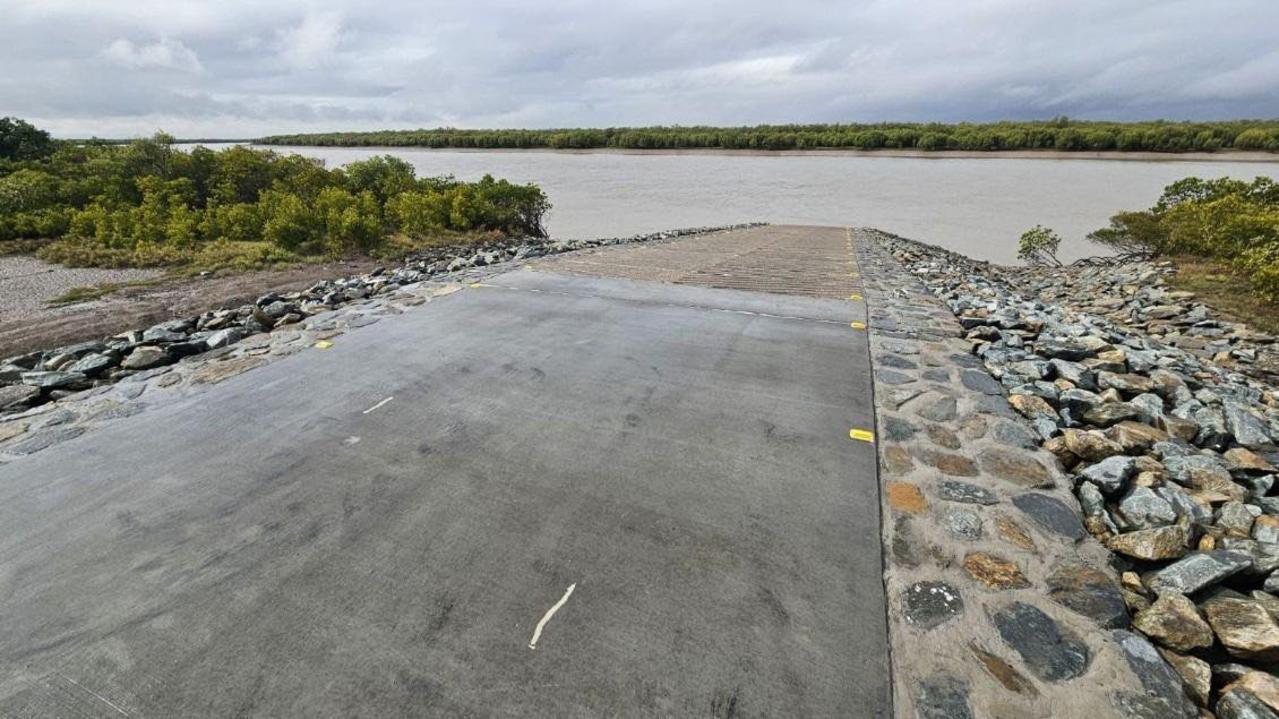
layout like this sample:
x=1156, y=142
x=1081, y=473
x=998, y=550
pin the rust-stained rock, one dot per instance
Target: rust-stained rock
x=1263, y=685
x=1090, y=445
x=994, y=572
x=1056, y=446
x=1196, y=674
x=1152, y=544
x=1173, y=621
x=1135, y=437
x=1245, y=628
x=1132, y=582
x=1241, y=461
x=1012, y=533
x=1267, y=600
x=218, y=371
x=1032, y=407
x=1016, y=467
x=906, y=497
x=952, y=464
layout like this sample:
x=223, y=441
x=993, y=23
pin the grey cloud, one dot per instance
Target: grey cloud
x=244, y=67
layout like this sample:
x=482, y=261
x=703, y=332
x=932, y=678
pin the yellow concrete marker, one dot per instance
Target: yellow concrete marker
x=857, y=325
x=855, y=297
x=476, y=284
x=862, y=435
x=322, y=345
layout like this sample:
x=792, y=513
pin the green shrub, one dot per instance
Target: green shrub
x=419, y=214
x=932, y=141
x=289, y=223
x=1256, y=139
x=241, y=256
x=27, y=189
x=1038, y=246
x=385, y=176
x=239, y=222
x=1131, y=232
x=349, y=223
x=1225, y=221
x=1260, y=265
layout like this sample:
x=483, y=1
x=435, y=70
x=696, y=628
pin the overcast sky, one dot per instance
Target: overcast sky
x=231, y=68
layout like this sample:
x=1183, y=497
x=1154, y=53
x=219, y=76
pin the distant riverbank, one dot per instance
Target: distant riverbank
x=1060, y=134
x=1221, y=156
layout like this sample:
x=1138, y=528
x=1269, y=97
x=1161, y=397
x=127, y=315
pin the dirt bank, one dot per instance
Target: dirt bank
x=29, y=321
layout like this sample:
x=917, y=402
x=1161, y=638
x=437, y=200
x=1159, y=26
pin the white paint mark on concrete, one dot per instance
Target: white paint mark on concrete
x=537, y=633
x=98, y=696
x=379, y=404
x=351, y=440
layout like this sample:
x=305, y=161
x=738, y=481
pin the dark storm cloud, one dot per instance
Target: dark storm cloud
x=244, y=68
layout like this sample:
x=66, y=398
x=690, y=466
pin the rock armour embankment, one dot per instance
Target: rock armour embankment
x=1161, y=420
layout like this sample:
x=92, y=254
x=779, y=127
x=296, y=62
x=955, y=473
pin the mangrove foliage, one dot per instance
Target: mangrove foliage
x=1061, y=133
x=148, y=203
x=1233, y=223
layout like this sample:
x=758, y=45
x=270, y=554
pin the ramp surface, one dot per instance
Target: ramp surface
x=380, y=529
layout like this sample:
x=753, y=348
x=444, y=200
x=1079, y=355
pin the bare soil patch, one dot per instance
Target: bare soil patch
x=1226, y=292
x=29, y=320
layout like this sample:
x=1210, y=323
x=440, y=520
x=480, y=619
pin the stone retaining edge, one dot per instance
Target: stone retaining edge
x=999, y=603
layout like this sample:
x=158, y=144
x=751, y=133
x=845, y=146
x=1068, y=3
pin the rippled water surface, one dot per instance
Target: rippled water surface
x=976, y=206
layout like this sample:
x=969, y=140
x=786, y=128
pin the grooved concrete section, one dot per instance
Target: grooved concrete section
x=291, y=542
x=785, y=259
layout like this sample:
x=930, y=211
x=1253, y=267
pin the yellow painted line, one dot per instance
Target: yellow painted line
x=862, y=435
x=322, y=345
x=855, y=298
x=477, y=284
x=857, y=325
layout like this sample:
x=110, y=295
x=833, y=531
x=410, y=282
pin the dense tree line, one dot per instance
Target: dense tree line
x=1058, y=134
x=1227, y=220
x=148, y=203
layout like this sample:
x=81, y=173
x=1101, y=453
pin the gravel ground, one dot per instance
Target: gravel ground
x=27, y=284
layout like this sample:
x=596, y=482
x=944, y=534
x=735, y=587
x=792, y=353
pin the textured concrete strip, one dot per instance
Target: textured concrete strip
x=785, y=259
x=261, y=546
x=840, y=312
x=995, y=610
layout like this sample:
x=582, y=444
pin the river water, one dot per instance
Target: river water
x=977, y=206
